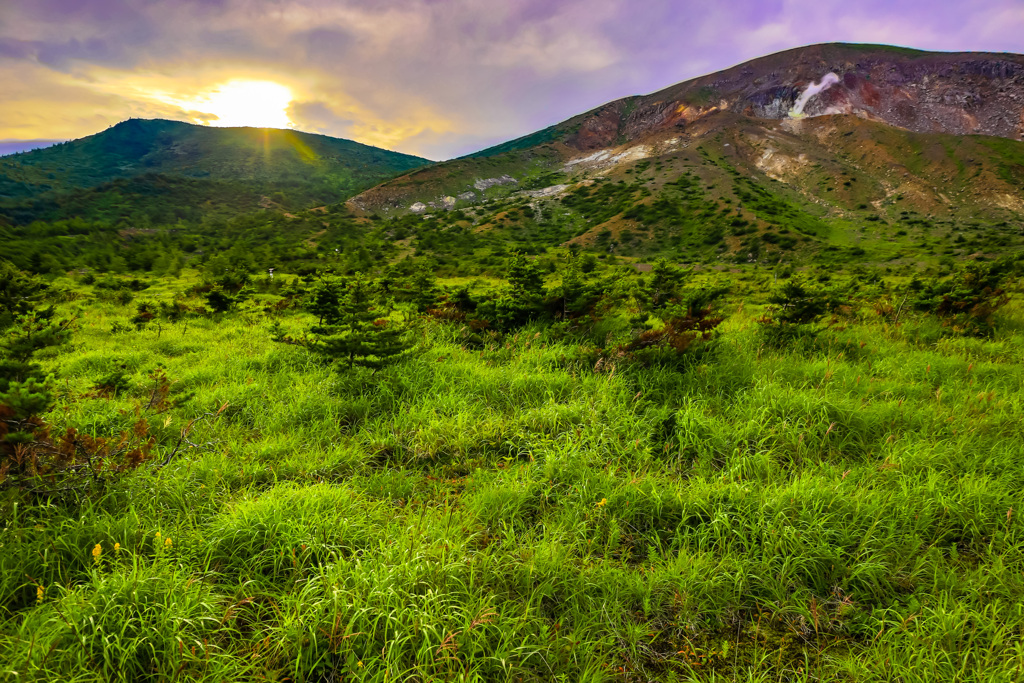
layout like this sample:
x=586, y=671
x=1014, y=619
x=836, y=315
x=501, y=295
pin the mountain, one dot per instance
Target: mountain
x=828, y=147
x=827, y=153
x=195, y=160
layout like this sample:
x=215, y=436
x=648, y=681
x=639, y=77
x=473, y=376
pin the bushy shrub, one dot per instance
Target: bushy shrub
x=219, y=300
x=420, y=289
x=677, y=335
x=145, y=312
x=673, y=316
x=576, y=293
x=39, y=462
x=967, y=301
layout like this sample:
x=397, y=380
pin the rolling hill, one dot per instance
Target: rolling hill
x=204, y=163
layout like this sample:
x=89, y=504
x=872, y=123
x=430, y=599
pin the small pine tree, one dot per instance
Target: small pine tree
x=145, y=313
x=686, y=318
x=655, y=294
x=797, y=302
x=324, y=302
x=44, y=464
x=525, y=278
x=796, y=305
x=25, y=326
x=664, y=285
x=577, y=294
x=19, y=293
x=354, y=330
x=524, y=300
x=421, y=289
x=219, y=300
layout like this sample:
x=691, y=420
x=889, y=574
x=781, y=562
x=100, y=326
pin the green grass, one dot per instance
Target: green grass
x=849, y=511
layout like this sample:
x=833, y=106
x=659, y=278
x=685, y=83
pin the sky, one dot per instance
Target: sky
x=436, y=78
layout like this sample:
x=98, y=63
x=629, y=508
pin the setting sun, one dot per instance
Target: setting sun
x=260, y=104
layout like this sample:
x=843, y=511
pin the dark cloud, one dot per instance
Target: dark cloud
x=111, y=11
x=94, y=50
x=325, y=44
x=17, y=49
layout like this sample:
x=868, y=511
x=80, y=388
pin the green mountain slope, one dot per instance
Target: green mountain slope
x=302, y=167
x=732, y=189
x=149, y=199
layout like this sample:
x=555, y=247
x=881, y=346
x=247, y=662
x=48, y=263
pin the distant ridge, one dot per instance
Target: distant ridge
x=309, y=167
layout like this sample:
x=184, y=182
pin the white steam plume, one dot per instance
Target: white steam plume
x=813, y=89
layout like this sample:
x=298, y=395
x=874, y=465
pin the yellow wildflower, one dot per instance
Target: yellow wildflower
x=96, y=552
x=359, y=664
x=167, y=542
x=39, y=592
x=117, y=547
x=604, y=501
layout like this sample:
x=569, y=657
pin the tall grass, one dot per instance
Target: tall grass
x=845, y=512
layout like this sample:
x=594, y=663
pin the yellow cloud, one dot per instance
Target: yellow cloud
x=219, y=95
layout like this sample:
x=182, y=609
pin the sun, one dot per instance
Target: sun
x=259, y=104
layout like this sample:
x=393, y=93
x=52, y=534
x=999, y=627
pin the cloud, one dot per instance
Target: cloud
x=319, y=117
x=425, y=76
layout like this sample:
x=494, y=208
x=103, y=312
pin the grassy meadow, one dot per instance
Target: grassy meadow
x=845, y=509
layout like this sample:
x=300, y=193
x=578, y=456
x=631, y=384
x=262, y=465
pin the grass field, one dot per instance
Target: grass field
x=847, y=509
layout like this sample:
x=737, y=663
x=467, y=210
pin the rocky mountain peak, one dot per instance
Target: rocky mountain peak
x=927, y=92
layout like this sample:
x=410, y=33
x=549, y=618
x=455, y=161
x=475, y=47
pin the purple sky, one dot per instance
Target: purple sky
x=437, y=78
